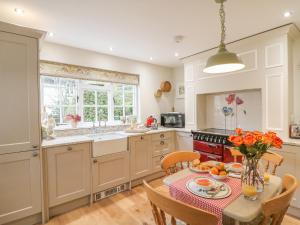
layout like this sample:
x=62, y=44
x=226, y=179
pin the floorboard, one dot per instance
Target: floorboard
x=127, y=208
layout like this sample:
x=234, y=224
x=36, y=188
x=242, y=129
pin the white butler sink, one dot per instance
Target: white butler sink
x=109, y=143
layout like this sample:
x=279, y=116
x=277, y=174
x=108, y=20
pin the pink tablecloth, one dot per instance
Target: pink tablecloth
x=179, y=191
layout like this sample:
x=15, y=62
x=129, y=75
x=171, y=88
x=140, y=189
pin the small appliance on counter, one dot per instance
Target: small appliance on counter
x=172, y=119
x=213, y=144
x=151, y=122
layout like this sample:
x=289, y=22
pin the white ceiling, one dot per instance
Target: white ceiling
x=140, y=29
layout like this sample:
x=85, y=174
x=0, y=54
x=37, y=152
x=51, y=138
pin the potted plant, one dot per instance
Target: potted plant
x=74, y=118
x=253, y=145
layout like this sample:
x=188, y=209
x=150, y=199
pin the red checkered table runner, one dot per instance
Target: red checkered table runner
x=179, y=191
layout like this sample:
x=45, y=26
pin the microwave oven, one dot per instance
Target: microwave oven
x=173, y=119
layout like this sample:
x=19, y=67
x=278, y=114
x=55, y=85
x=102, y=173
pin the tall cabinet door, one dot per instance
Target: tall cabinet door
x=19, y=118
x=141, y=156
x=20, y=185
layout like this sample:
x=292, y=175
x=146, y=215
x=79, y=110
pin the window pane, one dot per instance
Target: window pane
x=89, y=114
x=51, y=96
x=128, y=99
x=68, y=91
x=102, y=113
x=54, y=112
x=50, y=80
x=118, y=98
x=118, y=88
x=118, y=112
x=68, y=110
x=89, y=98
x=128, y=111
x=128, y=88
x=102, y=98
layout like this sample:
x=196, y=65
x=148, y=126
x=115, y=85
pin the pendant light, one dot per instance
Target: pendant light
x=224, y=61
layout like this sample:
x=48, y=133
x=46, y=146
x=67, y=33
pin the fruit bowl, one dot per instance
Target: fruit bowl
x=236, y=167
x=205, y=183
x=218, y=177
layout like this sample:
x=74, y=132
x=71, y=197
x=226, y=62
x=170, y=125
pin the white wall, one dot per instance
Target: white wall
x=150, y=75
x=296, y=80
x=178, y=78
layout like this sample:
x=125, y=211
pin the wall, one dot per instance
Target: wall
x=296, y=80
x=178, y=78
x=249, y=113
x=150, y=75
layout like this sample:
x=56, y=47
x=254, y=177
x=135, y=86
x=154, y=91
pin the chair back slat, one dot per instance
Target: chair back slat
x=275, y=208
x=161, y=205
x=173, y=162
x=274, y=159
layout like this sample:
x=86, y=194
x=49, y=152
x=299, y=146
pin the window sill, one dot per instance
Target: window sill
x=87, y=126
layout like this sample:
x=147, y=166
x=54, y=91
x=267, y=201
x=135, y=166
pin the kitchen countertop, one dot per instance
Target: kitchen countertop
x=67, y=140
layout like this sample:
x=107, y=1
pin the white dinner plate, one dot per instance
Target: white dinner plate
x=193, y=187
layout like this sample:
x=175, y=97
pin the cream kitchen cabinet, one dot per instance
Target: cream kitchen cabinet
x=140, y=156
x=110, y=170
x=19, y=130
x=20, y=185
x=290, y=165
x=184, y=141
x=68, y=172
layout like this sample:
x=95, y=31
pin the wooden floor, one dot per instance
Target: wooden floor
x=127, y=208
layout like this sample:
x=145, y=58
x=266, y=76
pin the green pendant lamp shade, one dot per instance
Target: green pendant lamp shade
x=224, y=61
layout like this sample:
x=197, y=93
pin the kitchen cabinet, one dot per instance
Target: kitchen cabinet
x=140, y=156
x=110, y=170
x=68, y=172
x=20, y=185
x=184, y=141
x=19, y=94
x=290, y=165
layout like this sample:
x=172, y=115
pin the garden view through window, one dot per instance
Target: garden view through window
x=94, y=101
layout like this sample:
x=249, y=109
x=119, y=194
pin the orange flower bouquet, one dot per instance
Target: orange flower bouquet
x=253, y=145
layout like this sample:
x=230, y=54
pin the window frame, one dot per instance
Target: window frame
x=81, y=86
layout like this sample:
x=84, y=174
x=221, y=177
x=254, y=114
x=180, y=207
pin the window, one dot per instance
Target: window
x=94, y=101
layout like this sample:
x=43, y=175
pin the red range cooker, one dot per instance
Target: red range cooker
x=213, y=144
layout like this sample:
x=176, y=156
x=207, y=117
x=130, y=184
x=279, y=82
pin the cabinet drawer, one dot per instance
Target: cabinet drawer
x=156, y=163
x=139, y=138
x=72, y=147
x=161, y=147
x=161, y=136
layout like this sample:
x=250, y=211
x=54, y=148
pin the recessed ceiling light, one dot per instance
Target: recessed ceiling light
x=176, y=54
x=51, y=34
x=151, y=58
x=287, y=14
x=19, y=11
x=111, y=49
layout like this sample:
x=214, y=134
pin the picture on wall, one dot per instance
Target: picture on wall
x=179, y=90
x=295, y=131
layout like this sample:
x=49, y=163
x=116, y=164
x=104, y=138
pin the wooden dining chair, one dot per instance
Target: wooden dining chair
x=275, y=208
x=175, y=161
x=272, y=158
x=162, y=205
x=235, y=154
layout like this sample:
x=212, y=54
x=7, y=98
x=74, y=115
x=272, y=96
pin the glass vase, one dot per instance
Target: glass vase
x=252, y=179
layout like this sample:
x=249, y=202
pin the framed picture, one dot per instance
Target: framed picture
x=180, y=90
x=295, y=131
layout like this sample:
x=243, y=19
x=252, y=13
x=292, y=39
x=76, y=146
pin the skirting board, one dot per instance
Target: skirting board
x=30, y=220
x=69, y=206
x=295, y=212
x=150, y=177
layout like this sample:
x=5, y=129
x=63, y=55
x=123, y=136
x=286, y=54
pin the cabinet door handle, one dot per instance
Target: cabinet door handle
x=95, y=161
x=162, y=136
x=162, y=157
x=162, y=143
x=35, y=154
x=142, y=137
x=35, y=146
x=69, y=148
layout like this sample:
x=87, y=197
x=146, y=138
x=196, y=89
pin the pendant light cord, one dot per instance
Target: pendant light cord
x=223, y=28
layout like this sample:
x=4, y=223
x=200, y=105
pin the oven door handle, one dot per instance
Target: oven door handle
x=212, y=146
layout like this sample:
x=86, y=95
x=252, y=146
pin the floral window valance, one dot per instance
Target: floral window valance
x=86, y=73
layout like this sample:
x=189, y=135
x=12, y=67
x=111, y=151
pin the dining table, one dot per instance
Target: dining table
x=240, y=210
